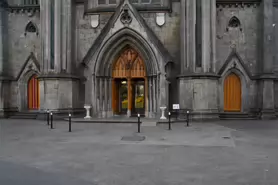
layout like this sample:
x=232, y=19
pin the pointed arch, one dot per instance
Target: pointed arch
x=33, y=93
x=31, y=28
x=232, y=93
x=234, y=22
x=118, y=42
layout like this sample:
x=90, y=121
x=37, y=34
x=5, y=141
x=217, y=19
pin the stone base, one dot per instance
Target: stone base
x=268, y=115
x=59, y=93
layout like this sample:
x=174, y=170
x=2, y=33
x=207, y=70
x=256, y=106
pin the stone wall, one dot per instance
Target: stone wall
x=246, y=41
x=21, y=45
x=168, y=33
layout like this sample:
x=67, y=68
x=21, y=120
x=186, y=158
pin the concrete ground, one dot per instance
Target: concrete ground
x=219, y=153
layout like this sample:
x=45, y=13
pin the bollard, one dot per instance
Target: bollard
x=47, y=114
x=69, y=122
x=139, y=124
x=51, y=120
x=187, y=118
x=169, y=121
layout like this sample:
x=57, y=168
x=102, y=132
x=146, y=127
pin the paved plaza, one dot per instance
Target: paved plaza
x=218, y=153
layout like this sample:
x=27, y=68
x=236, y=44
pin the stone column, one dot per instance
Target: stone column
x=45, y=34
x=100, y=96
x=154, y=94
x=208, y=35
x=213, y=36
x=150, y=98
x=110, y=113
x=105, y=111
x=4, y=80
x=190, y=35
x=67, y=26
x=58, y=35
x=183, y=33
x=267, y=85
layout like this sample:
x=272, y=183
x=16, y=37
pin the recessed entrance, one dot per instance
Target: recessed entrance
x=33, y=93
x=129, y=84
x=232, y=93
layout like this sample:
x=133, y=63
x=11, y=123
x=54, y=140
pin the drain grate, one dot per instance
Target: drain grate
x=133, y=138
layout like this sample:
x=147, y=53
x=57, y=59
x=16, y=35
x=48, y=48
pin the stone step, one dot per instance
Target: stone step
x=237, y=116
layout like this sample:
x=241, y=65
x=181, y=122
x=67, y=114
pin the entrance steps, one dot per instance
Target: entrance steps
x=120, y=120
x=237, y=116
x=24, y=115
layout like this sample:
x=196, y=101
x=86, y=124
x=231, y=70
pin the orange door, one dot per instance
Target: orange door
x=33, y=93
x=232, y=93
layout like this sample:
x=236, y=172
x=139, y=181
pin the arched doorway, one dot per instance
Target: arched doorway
x=33, y=93
x=232, y=93
x=129, y=86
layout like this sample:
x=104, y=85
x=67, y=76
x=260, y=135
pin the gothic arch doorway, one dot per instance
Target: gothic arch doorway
x=129, y=85
x=232, y=93
x=33, y=93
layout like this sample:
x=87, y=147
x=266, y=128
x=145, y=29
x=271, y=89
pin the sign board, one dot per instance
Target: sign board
x=176, y=106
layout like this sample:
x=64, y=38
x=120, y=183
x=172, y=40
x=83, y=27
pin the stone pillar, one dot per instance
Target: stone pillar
x=183, y=33
x=4, y=80
x=59, y=85
x=150, y=98
x=101, y=96
x=105, y=111
x=267, y=77
x=58, y=35
x=45, y=17
x=154, y=94
x=110, y=113
x=190, y=35
x=208, y=35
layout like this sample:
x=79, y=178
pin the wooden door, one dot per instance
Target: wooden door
x=232, y=93
x=33, y=93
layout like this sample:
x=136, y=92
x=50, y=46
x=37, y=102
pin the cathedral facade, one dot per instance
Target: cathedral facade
x=122, y=57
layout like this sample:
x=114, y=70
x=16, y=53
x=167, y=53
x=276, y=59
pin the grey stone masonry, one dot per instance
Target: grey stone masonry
x=268, y=36
x=45, y=34
x=268, y=105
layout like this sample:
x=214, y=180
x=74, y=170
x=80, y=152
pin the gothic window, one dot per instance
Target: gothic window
x=234, y=22
x=31, y=27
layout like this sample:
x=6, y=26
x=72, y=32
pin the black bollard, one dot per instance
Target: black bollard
x=69, y=122
x=47, y=112
x=187, y=118
x=51, y=120
x=139, y=124
x=170, y=121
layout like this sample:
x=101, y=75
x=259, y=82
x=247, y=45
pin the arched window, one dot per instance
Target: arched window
x=234, y=22
x=31, y=28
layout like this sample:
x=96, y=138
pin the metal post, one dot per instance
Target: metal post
x=139, y=124
x=51, y=120
x=47, y=112
x=169, y=121
x=69, y=122
x=187, y=118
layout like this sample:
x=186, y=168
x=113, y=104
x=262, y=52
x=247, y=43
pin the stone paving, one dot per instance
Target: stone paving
x=226, y=153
